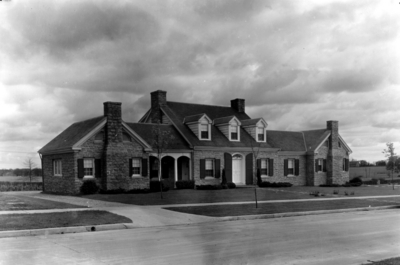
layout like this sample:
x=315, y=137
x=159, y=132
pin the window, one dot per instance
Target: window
x=264, y=167
x=209, y=168
x=327, y=143
x=204, y=131
x=126, y=137
x=88, y=167
x=290, y=166
x=339, y=144
x=57, y=167
x=319, y=165
x=345, y=164
x=260, y=134
x=234, y=132
x=136, y=166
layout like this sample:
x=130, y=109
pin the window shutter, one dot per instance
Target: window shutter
x=217, y=168
x=249, y=169
x=130, y=167
x=297, y=167
x=228, y=166
x=80, y=168
x=316, y=165
x=259, y=164
x=202, y=168
x=324, y=165
x=270, y=167
x=144, y=167
x=53, y=166
x=285, y=167
x=97, y=165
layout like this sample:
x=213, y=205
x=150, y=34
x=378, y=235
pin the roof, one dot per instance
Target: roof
x=193, y=118
x=223, y=120
x=313, y=138
x=286, y=140
x=71, y=135
x=178, y=111
x=146, y=132
x=251, y=122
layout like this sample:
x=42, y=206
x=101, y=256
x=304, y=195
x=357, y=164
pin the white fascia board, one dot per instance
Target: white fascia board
x=136, y=136
x=94, y=131
x=321, y=143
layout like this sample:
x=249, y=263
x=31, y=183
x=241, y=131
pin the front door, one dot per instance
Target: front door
x=237, y=173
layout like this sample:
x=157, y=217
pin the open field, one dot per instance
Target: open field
x=241, y=194
x=64, y=219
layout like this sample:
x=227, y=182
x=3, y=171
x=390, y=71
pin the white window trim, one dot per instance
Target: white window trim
x=94, y=168
x=265, y=137
x=60, y=167
x=140, y=167
x=230, y=133
x=213, y=166
x=209, y=132
x=294, y=167
x=266, y=164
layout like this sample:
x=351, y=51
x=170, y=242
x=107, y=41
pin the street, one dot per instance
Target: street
x=346, y=238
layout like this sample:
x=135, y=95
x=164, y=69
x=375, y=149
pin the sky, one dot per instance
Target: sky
x=297, y=64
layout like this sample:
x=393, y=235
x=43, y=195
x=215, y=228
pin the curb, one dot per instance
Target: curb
x=98, y=228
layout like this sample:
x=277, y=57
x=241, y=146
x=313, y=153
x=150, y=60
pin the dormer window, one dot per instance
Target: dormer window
x=234, y=132
x=204, y=132
x=229, y=126
x=260, y=134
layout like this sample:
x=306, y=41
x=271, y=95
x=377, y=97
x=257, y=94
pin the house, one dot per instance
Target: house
x=205, y=140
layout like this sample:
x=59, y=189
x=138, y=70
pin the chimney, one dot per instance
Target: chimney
x=113, y=132
x=238, y=104
x=333, y=126
x=158, y=99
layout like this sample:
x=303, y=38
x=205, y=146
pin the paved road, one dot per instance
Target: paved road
x=347, y=238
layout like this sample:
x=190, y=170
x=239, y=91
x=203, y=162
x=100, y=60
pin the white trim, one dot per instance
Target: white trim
x=140, y=167
x=322, y=142
x=93, y=171
x=96, y=129
x=209, y=131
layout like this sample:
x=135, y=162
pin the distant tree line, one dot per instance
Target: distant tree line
x=22, y=172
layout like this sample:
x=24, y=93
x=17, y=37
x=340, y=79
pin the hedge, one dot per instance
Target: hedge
x=266, y=184
x=20, y=186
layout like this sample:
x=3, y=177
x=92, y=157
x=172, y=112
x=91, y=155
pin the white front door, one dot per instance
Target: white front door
x=237, y=175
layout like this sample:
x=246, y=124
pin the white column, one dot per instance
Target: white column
x=176, y=169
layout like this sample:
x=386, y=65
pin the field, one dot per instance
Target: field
x=19, y=179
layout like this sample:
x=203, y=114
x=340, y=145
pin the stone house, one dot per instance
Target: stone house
x=204, y=139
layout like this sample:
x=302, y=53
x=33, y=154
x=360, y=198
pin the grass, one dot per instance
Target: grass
x=19, y=179
x=272, y=208
x=392, y=261
x=240, y=194
x=64, y=219
x=18, y=202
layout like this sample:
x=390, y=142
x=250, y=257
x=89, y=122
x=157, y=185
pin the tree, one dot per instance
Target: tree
x=392, y=161
x=381, y=163
x=30, y=165
x=161, y=140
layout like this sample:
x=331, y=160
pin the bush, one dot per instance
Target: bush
x=184, y=184
x=89, y=187
x=266, y=184
x=208, y=187
x=356, y=180
x=155, y=186
x=231, y=185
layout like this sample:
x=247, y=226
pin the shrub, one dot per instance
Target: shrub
x=89, y=187
x=356, y=180
x=184, y=184
x=231, y=185
x=265, y=184
x=208, y=187
x=155, y=186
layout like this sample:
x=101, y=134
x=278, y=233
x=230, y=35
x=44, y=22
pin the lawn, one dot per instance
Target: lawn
x=273, y=208
x=19, y=179
x=64, y=219
x=19, y=202
x=240, y=195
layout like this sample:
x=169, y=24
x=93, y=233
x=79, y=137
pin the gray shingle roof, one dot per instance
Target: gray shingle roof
x=286, y=140
x=223, y=120
x=314, y=137
x=71, y=135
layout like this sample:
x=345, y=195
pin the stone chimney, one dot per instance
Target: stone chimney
x=334, y=160
x=158, y=99
x=333, y=126
x=238, y=104
x=113, y=128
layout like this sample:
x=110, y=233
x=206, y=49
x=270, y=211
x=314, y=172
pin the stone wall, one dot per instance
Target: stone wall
x=64, y=184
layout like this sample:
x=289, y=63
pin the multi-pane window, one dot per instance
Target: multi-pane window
x=204, y=131
x=260, y=134
x=291, y=167
x=136, y=166
x=88, y=167
x=319, y=164
x=234, y=132
x=209, y=167
x=264, y=167
x=57, y=167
